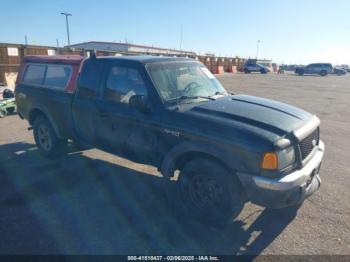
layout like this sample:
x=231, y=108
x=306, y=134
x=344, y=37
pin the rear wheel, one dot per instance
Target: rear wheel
x=323, y=73
x=207, y=192
x=46, y=139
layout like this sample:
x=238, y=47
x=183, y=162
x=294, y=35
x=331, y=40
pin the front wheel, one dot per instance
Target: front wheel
x=3, y=113
x=46, y=139
x=207, y=192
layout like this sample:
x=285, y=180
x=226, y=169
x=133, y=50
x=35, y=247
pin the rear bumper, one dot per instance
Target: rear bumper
x=289, y=190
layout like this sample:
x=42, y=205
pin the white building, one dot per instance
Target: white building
x=130, y=48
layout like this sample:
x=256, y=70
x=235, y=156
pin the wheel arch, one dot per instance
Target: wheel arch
x=37, y=112
x=181, y=154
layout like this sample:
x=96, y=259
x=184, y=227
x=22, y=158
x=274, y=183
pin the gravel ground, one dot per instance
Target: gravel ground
x=92, y=202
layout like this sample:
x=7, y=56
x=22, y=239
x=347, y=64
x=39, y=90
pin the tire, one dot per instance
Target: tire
x=46, y=139
x=3, y=113
x=10, y=110
x=246, y=71
x=207, y=193
x=323, y=73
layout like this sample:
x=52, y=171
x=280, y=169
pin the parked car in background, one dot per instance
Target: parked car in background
x=249, y=68
x=321, y=69
x=339, y=71
x=344, y=67
x=7, y=102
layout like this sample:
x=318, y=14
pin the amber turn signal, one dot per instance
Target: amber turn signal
x=270, y=161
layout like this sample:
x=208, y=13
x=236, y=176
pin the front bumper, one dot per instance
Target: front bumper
x=289, y=190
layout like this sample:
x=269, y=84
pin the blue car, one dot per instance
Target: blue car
x=321, y=69
x=339, y=71
x=250, y=67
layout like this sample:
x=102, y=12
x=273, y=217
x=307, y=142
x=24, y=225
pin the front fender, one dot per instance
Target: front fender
x=222, y=154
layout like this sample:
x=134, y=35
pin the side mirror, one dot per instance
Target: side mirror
x=140, y=102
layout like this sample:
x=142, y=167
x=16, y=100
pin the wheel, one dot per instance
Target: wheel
x=301, y=73
x=46, y=140
x=207, y=193
x=263, y=71
x=3, y=113
x=323, y=73
x=10, y=110
x=246, y=70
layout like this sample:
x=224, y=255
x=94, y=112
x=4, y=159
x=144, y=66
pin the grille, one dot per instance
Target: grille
x=306, y=145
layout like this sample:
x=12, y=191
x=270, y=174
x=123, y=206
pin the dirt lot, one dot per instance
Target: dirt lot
x=94, y=203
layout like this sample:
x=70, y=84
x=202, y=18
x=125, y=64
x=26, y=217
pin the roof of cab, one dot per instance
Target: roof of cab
x=56, y=59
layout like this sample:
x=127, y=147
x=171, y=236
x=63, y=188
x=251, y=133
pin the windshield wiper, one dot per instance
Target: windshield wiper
x=181, y=98
x=223, y=93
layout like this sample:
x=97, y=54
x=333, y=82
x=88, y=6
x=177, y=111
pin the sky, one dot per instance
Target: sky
x=293, y=32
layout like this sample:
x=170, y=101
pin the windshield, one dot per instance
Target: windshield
x=174, y=80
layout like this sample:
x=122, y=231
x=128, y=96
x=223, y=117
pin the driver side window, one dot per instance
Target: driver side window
x=122, y=83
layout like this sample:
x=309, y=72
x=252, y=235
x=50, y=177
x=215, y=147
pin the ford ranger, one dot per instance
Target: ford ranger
x=215, y=149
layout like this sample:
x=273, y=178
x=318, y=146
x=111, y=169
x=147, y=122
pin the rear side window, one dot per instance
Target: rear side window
x=57, y=76
x=49, y=76
x=34, y=74
x=89, y=80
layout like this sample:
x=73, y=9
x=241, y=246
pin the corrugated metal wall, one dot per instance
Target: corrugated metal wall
x=11, y=56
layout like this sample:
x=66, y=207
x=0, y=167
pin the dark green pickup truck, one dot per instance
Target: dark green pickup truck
x=216, y=150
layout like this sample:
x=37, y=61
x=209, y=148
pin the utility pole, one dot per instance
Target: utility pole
x=67, y=24
x=57, y=43
x=26, y=40
x=257, y=49
x=181, y=37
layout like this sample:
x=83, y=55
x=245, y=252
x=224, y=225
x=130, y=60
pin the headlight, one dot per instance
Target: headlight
x=286, y=157
x=278, y=160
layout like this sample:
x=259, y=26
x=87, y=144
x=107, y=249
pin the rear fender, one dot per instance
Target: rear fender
x=42, y=111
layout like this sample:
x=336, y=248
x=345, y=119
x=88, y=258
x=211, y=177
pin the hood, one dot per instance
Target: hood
x=265, y=114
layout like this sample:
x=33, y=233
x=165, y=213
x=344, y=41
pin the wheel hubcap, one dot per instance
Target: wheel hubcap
x=203, y=192
x=44, y=138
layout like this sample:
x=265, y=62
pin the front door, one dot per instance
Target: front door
x=122, y=129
